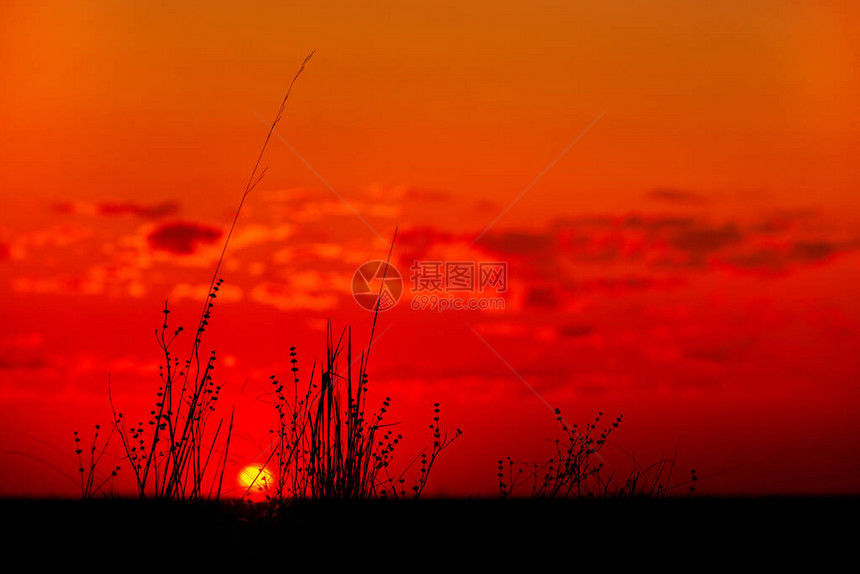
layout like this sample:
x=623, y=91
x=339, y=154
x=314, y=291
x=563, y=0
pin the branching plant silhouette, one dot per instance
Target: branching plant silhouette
x=187, y=395
x=327, y=444
x=577, y=470
x=88, y=464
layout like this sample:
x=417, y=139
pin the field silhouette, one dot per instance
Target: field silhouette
x=335, y=462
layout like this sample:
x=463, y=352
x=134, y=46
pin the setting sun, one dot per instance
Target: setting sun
x=343, y=279
x=255, y=476
x=529, y=210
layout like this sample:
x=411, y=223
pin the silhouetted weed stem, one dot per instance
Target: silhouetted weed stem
x=326, y=444
x=179, y=469
x=576, y=471
x=90, y=484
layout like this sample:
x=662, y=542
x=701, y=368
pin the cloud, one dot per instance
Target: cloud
x=576, y=330
x=703, y=240
x=15, y=361
x=292, y=195
x=549, y=265
x=674, y=195
x=114, y=208
x=562, y=264
x=763, y=260
x=129, y=208
x=518, y=242
x=812, y=251
x=725, y=352
x=57, y=236
x=306, y=206
x=22, y=351
x=599, y=239
x=779, y=259
x=5, y=251
x=423, y=237
x=111, y=280
x=781, y=221
x=423, y=194
x=624, y=284
x=542, y=297
x=503, y=328
x=182, y=238
x=378, y=205
x=304, y=289
x=58, y=285
x=285, y=298
x=656, y=223
x=424, y=243
x=257, y=234
x=516, y=330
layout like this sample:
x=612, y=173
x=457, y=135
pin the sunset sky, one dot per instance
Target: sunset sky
x=673, y=186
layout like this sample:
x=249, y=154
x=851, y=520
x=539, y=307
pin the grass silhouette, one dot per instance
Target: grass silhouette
x=91, y=483
x=187, y=396
x=578, y=470
x=327, y=445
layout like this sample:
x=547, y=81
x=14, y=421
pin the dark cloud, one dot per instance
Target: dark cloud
x=585, y=221
x=784, y=220
x=775, y=261
x=673, y=195
x=657, y=223
x=812, y=251
x=542, y=297
x=653, y=241
x=21, y=351
x=5, y=251
x=576, y=330
x=65, y=207
x=13, y=361
x=702, y=241
x=765, y=260
x=130, y=208
x=640, y=222
x=623, y=284
x=114, y=208
x=719, y=352
x=518, y=242
x=182, y=237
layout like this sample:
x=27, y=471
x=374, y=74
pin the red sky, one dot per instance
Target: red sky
x=691, y=261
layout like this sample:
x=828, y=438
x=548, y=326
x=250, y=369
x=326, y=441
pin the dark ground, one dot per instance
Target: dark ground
x=637, y=532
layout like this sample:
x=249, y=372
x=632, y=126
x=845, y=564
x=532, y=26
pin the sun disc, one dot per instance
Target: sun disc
x=255, y=476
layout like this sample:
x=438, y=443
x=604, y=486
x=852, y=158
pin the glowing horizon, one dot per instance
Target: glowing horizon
x=673, y=191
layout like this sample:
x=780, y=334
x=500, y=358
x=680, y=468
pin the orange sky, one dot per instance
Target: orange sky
x=691, y=261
